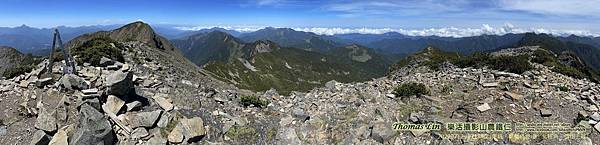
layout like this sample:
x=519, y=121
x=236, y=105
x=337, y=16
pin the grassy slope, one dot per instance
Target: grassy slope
x=307, y=71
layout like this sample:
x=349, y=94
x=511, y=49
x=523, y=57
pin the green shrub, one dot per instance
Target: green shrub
x=58, y=55
x=253, y=100
x=242, y=133
x=476, y=60
x=409, y=89
x=16, y=71
x=563, y=88
x=513, y=64
x=92, y=50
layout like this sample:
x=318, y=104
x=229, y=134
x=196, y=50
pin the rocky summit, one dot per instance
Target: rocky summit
x=156, y=96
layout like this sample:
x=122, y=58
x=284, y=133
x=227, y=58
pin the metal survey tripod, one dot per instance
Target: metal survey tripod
x=69, y=67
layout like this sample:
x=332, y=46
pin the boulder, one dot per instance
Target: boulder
x=143, y=119
x=113, y=104
x=163, y=103
x=382, y=132
x=60, y=138
x=43, y=82
x=120, y=83
x=287, y=136
x=93, y=128
x=139, y=132
x=133, y=105
x=73, y=82
x=39, y=138
x=190, y=129
x=194, y=129
x=46, y=121
x=157, y=140
x=595, y=116
x=176, y=135
x=164, y=120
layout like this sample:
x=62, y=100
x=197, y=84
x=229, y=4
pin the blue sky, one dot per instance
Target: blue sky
x=572, y=15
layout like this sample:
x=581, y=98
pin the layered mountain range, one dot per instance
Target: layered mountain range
x=264, y=64
x=156, y=95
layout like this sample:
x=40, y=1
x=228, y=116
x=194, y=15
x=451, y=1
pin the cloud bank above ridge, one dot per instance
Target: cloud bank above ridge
x=485, y=29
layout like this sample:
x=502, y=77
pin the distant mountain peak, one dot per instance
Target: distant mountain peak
x=257, y=47
x=136, y=31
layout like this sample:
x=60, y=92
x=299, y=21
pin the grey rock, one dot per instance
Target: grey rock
x=545, y=112
x=176, y=135
x=595, y=116
x=2, y=130
x=43, y=82
x=139, y=132
x=112, y=67
x=513, y=96
x=287, y=136
x=489, y=85
x=94, y=102
x=73, y=82
x=143, y=119
x=382, y=132
x=597, y=127
x=60, y=138
x=484, y=107
x=125, y=68
x=300, y=114
x=113, y=104
x=105, y=62
x=89, y=91
x=133, y=105
x=193, y=129
x=93, y=128
x=46, y=121
x=40, y=138
x=163, y=103
x=415, y=117
x=120, y=83
x=164, y=120
x=156, y=140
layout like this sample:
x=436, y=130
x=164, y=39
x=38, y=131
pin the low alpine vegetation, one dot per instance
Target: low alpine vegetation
x=91, y=51
x=27, y=64
x=410, y=89
x=253, y=100
x=513, y=64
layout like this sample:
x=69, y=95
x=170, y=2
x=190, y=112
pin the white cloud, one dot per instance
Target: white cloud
x=485, y=29
x=268, y=2
x=554, y=7
x=449, y=31
x=394, y=7
x=242, y=29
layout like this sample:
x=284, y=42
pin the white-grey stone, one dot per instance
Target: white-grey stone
x=40, y=138
x=133, y=105
x=46, y=121
x=484, y=107
x=113, y=104
x=143, y=119
x=545, y=112
x=163, y=103
x=595, y=116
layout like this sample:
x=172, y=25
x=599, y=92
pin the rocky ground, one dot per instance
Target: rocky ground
x=157, y=98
